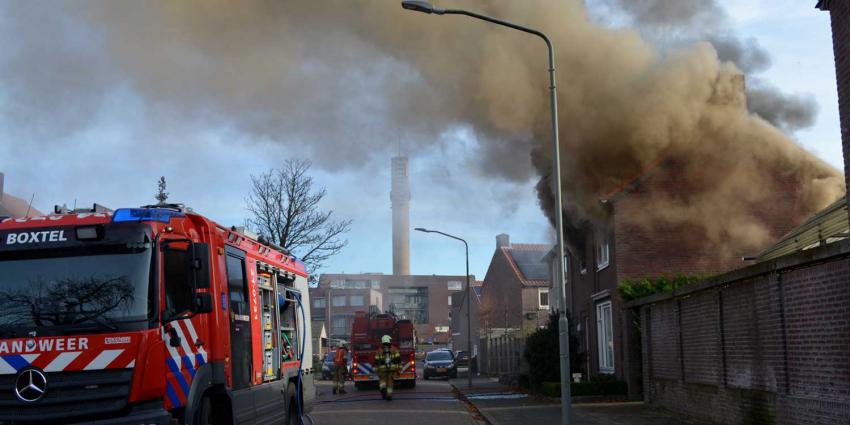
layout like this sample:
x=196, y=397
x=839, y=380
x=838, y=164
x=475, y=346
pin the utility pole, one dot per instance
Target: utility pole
x=563, y=322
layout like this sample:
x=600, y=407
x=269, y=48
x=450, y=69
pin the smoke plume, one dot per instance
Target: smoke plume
x=338, y=78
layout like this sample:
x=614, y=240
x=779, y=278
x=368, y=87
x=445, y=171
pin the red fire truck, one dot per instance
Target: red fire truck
x=366, y=332
x=152, y=315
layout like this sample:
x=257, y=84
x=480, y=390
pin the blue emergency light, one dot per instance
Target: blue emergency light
x=162, y=215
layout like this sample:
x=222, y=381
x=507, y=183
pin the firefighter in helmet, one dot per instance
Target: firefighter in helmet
x=388, y=360
x=340, y=368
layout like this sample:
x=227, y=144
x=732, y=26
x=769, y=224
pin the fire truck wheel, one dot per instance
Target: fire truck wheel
x=204, y=414
x=292, y=412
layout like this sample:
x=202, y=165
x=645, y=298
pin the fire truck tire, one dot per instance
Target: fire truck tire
x=204, y=414
x=291, y=408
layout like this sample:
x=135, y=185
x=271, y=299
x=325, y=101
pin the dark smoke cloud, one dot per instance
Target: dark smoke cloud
x=789, y=111
x=672, y=14
x=51, y=75
x=336, y=80
x=747, y=54
x=676, y=22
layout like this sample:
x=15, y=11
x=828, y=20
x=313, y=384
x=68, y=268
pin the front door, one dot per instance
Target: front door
x=240, y=319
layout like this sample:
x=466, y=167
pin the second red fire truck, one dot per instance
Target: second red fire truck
x=366, y=332
x=152, y=315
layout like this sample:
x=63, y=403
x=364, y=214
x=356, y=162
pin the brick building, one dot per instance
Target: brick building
x=458, y=327
x=424, y=299
x=12, y=206
x=337, y=301
x=515, y=293
x=614, y=247
x=839, y=11
x=766, y=343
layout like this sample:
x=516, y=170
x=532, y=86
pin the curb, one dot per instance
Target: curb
x=476, y=414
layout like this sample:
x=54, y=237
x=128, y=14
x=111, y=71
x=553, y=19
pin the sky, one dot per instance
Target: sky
x=116, y=157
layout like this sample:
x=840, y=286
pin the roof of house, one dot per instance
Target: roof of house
x=476, y=287
x=528, y=263
x=827, y=226
x=823, y=4
x=318, y=329
x=629, y=183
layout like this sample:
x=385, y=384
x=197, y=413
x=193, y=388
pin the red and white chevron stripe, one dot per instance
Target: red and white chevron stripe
x=92, y=359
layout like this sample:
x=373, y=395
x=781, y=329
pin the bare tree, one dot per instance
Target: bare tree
x=285, y=210
x=486, y=310
x=161, y=194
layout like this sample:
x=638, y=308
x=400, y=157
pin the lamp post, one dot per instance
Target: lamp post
x=563, y=324
x=468, y=303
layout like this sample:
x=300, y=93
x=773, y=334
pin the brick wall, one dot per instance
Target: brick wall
x=501, y=295
x=840, y=15
x=667, y=248
x=761, y=345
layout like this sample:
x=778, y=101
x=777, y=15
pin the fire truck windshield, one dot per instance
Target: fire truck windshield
x=92, y=287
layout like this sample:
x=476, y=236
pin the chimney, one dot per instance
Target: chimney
x=400, y=197
x=503, y=240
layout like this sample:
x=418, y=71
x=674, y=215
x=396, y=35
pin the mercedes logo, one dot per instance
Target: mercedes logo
x=30, y=385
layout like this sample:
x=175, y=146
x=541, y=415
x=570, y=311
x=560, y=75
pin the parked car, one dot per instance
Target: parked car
x=440, y=363
x=462, y=358
x=328, y=366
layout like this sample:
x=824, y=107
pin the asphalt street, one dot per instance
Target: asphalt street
x=432, y=402
x=437, y=402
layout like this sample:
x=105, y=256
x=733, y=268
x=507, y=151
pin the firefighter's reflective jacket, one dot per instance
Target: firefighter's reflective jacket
x=388, y=359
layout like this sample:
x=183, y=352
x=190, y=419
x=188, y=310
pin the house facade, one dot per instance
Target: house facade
x=515, y=292
x=612, y=247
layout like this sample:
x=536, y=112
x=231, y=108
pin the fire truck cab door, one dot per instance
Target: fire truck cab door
x=240, y=319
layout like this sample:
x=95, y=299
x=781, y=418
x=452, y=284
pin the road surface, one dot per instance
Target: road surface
x=432, y=402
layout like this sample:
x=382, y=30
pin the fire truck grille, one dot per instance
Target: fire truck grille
x=70, y=396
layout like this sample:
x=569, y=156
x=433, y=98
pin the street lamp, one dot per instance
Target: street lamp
x=468, y=303
x=563, y=324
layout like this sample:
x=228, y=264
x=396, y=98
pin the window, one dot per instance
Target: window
x=601, y=254
x=543, y=296
x=341, y=325
x=319, y=303
x=356, y=300
x=450, y=300
x=178, y=290
x=351, y=284
x=236, y=285
x=605, y=337
x=409, y=303
x=455, y=285
x=339, y=301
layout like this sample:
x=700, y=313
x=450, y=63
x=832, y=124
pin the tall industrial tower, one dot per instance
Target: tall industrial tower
x=400, y=197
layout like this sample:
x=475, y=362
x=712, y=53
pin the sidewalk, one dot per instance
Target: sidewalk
x=502, y=405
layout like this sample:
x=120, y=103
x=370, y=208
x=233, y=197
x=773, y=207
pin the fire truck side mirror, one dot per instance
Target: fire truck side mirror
x=201, y=265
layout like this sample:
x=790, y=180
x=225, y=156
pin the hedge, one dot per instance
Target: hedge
x=632, y=289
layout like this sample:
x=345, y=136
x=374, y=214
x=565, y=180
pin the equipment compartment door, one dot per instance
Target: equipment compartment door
x=240, y=319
